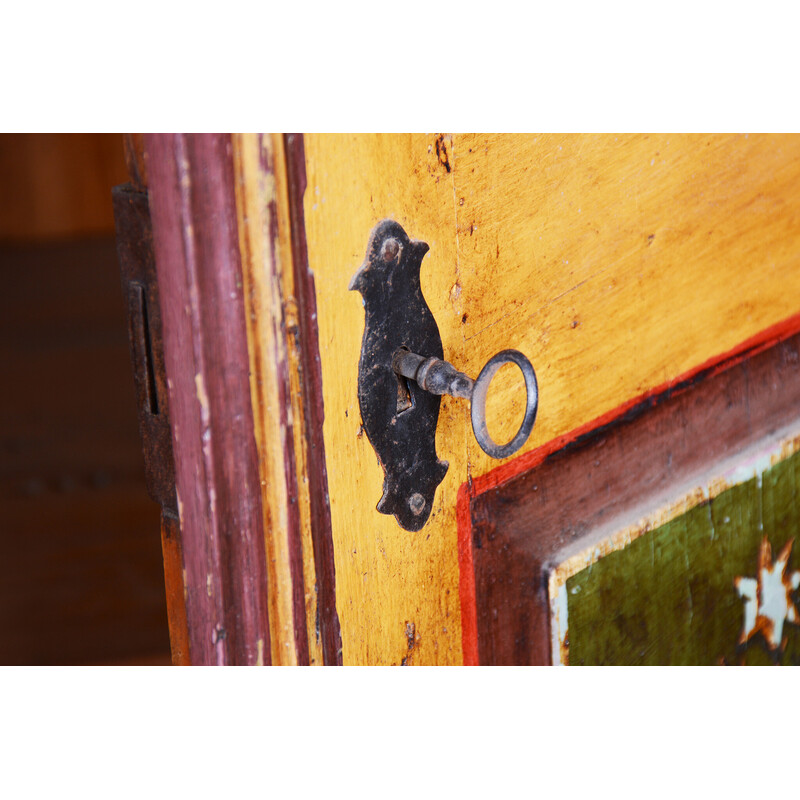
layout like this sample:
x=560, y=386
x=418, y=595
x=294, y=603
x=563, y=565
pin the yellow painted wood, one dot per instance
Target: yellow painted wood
x=619, y=262
x=614, y=262
x=397, y=592
x=299, y=430
x=255, y=196
x=265, y=275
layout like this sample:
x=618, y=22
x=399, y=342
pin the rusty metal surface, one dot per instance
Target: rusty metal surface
x=398, y=417
x=140, y=291
x=433, y=374
x=402, y=374
x=440, y=377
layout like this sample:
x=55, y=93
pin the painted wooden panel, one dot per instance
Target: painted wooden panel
x=529, y=535
x=716, y=585
x=616, y=264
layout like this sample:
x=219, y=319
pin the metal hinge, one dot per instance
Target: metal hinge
x=140, y=290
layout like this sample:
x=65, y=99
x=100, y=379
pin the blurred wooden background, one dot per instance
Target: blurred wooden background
x=81, y=576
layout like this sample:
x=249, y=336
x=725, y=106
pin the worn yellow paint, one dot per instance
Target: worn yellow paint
x=296, y=409
x=614, y=262
x=256, y=195
x=619, y=262
x=202, y=397
x=271, y=310
x=387, y=579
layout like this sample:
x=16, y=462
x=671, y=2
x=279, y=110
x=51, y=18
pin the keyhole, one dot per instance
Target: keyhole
x=405, y=400
x=145, y=348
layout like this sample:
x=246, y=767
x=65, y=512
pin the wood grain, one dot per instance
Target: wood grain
x=614, y=263
x=133, y=146
x=196, y=240
x=619, y=262
x=293, y=322
x=172, y=553
x=310, y=411
x=274, y=420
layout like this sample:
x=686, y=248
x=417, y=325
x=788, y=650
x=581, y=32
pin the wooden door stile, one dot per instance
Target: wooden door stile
x=307, y=394
x=270, y=312
x=196, y=243
x=397, y=592
x=286, y=395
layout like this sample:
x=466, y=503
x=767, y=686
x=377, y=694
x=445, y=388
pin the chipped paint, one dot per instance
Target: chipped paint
x=260, y=653
x=560, y=633
x=412, y=639
x=274, y=319
x=752, y=465
x=768, y=598
x=218, y=636
x=202, y=397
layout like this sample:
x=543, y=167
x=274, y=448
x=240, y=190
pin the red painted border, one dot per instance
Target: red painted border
x=533, y=458
x=466, y=572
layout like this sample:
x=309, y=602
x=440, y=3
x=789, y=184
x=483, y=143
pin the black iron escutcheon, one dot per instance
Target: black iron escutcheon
x=398, y=389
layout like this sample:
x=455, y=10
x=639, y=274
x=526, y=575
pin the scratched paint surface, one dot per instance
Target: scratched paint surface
x=615, y=263
x=671, y=596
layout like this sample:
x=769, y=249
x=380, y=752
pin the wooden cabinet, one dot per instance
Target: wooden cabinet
x=652, y=280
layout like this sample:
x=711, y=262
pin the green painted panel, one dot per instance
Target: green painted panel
x=669, y=597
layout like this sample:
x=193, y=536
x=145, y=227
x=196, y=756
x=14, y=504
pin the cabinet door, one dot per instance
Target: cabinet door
x=626, y=268
x=651, y=280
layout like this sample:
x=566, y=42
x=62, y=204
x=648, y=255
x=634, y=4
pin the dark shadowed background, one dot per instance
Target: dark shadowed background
x=81, y=576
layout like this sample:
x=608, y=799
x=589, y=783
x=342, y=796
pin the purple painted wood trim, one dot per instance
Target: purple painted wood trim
x=321, y=532
x=193, y=207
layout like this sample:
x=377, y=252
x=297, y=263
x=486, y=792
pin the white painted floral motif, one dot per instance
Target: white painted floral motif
x=768, y=598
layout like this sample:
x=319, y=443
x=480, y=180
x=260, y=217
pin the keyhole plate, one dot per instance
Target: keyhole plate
x=401, y=428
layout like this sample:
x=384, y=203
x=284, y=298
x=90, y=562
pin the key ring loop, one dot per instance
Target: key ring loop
x=478, y=403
